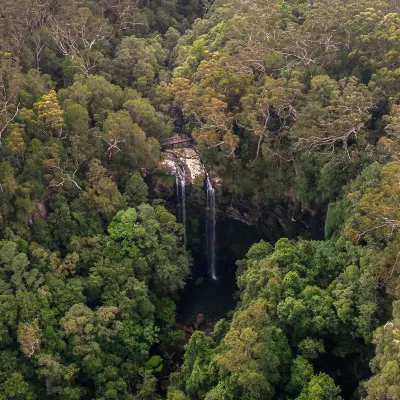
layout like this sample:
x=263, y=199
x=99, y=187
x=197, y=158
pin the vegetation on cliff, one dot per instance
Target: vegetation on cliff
x=290, y=102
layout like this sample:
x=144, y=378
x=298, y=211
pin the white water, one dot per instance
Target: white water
x=180, y=180
x=210, y=228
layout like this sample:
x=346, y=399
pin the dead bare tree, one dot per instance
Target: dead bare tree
x=9, y=87
x=112, y=141
x=345, y=117
x=126, y=12
x=61, y=168
x=21, y=20
x=77, y=32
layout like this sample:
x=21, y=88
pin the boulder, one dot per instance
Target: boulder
x=163, y=384
x=198, y=321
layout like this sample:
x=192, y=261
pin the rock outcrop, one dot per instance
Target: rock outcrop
x=188, y=158
x=198, y=322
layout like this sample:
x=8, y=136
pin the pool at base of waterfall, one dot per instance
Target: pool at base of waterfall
x=215, y=298
x=207, y=296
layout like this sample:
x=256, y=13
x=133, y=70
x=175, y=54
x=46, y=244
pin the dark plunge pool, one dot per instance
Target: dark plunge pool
x=214, y=298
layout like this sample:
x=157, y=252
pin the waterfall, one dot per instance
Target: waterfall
x=180, y=180
x=210, y=227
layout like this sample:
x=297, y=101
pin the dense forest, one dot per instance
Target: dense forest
x=293, y=106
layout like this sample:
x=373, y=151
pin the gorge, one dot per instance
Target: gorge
x=199, y=199
x=217, y=235
x=186, y=165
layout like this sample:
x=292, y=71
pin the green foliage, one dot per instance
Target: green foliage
x=334, y=219
x=145, y=115
x=385, y=364
x=299, y=303
x=15, y=387
x=136, y=190
x=292, y=104
x=152, y=235
x=47, y=314
x=137, y=62
x=195, y=375
x=320, y=387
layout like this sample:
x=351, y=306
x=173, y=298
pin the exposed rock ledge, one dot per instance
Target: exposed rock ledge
x=247, y=218
x=186, y=157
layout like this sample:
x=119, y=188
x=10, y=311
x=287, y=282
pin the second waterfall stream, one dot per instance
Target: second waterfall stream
x=211, y=227
x=185, y=170
x=180, y=178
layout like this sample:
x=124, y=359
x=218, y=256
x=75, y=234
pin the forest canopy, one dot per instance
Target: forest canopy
x=293, y=105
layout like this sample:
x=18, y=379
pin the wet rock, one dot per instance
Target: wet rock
x=41, y=209
x=199, y=321
x=216, y=181
x=199, y=281
x=186, y=328
x=188, y=158
x=163, y=384
x=168, y=163
x=248, y=218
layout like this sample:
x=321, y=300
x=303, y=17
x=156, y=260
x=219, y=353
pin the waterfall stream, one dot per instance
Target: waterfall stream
x=210, y=227
x=180, y=180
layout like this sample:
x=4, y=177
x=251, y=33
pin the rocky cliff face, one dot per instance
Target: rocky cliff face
x=186, y=157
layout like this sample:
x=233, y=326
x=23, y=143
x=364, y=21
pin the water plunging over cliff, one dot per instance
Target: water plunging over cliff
x=180, y=179
x=186, y=165
x=211, y=227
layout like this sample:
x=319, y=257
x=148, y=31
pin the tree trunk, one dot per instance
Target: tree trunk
x=259, y=145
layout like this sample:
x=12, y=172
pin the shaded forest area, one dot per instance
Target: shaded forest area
x=289, y=102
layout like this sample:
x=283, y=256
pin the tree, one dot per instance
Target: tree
x=155, y=235
x=62, y=169
x=136, y=190
x=15, y=387
x=62, y=225
x=49, y=114
x=118, y=130
x=208, y=102
x=34, y=85
x=137, y=62
x=249, y=353
x=376, y=207
x=29, y=337
x=21, y=22
x=301, y=373
x=389, y=145
x=15, y=143
x=58, y=378
x=144, y=114
x=195, y=375
x=78, y=34
x=9, y=87
x=76, y=120
x=311, y=313
x=276, y=99
x=101, y=193
x=386, y=363
x=126, y=142
x=96, y=94
x=78, y=321
x=320, y=387
x=334, y=114
x=8, y=187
